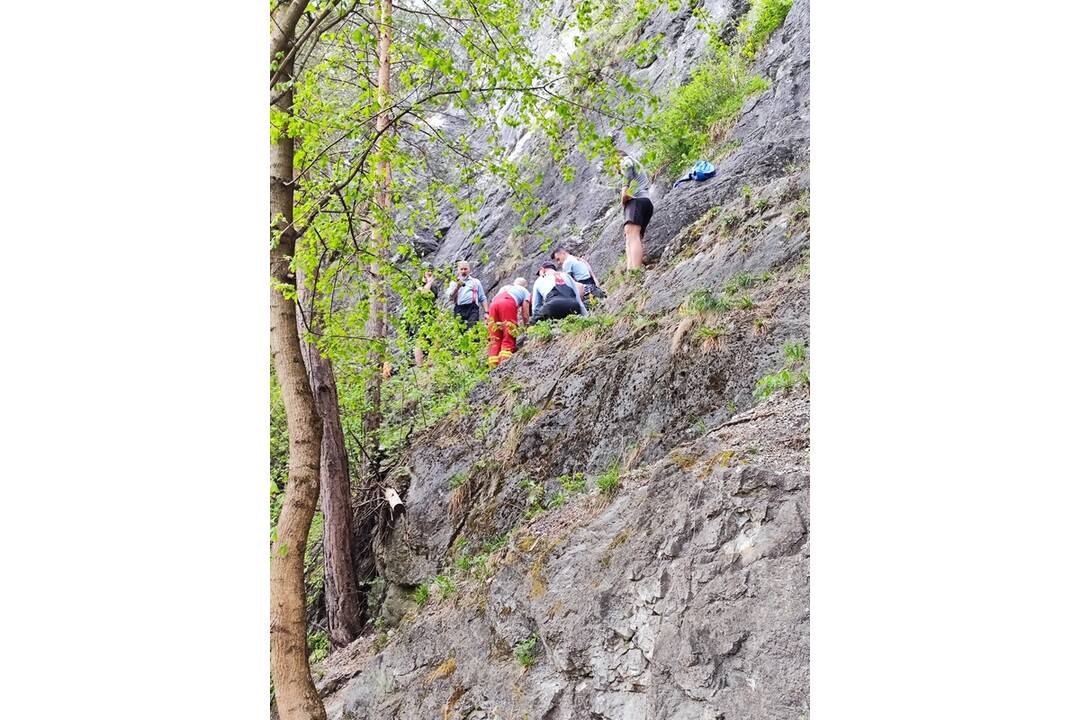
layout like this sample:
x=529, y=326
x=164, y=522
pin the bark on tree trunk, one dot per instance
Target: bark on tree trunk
x=344, y=599
x=294, y=690
x=377, y=319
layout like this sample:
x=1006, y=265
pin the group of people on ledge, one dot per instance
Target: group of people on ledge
x=564, y=285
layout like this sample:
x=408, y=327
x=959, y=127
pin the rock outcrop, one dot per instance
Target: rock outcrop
x=620, y=524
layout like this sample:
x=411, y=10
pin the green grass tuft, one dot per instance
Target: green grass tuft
x=794, y=373
x=457, y=480
x=795, y=352
x=779, y=380
x=741, y=281
x=522, y=414
x=542, y=331
x=525, y=651
x=581, y=323
x=701, y=302
x=706, y=332
x=534, y=500
x=445, y=585
x=609, y=482
x=802, y=208
x=574, y=483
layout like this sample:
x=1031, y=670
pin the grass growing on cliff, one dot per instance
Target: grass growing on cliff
x=542, y=331
x=421, y=594
x=745, y=281
x=780, y=380
x=713, y=97
x=609, y=482
x=702, y=302
x=445, y=585
x=802, y=208
x=758, y=24
x=795, y=352
x=794, y=373
x=696, y=116
x=710, y=337
x=802, y=270
x=581, y=323
x=525, y=651
x=534, y=499
x=467, y=567
x=701, y=311
x=572, y=483
x=522, y=414
x=474, y=566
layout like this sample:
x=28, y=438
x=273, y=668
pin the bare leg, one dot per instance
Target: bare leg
x=635, y=252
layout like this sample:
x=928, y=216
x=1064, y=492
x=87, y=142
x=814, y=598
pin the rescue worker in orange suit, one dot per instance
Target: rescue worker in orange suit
x=503, y=320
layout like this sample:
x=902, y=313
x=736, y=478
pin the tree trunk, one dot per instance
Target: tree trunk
x=294, y=690
x=377, y=319
x=344, y=599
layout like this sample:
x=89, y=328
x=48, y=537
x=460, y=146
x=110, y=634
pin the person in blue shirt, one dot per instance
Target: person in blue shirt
x=555, y=295
x=468, y=295
x=580, y=270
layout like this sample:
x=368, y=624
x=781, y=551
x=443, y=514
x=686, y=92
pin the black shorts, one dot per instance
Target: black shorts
x=469, y=312
x=592, y=290
x=638, y=212
x=556, y=308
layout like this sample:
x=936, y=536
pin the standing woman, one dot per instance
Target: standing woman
x=637, y=208
x=425, y=311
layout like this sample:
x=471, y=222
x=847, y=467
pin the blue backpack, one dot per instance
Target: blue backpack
x=702, y=170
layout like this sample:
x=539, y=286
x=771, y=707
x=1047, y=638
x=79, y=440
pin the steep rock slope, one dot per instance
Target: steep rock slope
x=683, y=592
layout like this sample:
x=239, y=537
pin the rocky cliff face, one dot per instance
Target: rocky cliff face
x=620, y=527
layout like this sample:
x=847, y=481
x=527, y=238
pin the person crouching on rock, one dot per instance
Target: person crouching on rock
x=555, y=295
x=637, y=209
x=468, y=295
x=581, y=271
x=503, y=320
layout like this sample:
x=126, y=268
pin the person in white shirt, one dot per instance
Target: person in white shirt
x=555, y=295
x=580, y=270
x=468, y=295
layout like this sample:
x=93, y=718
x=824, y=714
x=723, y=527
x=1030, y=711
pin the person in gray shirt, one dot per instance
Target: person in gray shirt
x=637, y=208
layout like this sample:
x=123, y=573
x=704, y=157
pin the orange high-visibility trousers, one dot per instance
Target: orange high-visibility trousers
x=502, y=327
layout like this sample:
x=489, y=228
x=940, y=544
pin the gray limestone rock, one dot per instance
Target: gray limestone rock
x=685, y=596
